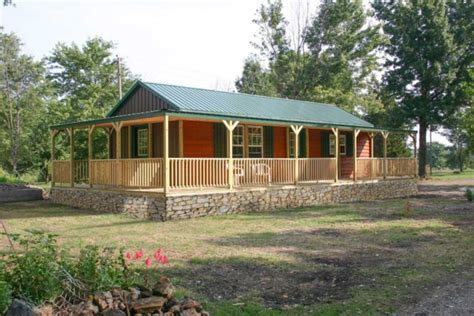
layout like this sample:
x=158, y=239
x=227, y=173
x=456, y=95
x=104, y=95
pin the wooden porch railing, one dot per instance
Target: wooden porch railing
x=188, y=173
x=198, y=172
x=61, y=171
x=316, y=169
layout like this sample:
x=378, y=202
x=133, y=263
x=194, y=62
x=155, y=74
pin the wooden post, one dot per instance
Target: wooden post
x=230, y=169
x=335, y=131
x=181, y=137
x=71, y=153
x=166, y=158
x=90, y=155
x=54, y=132
x=118, y=151
x=129, y=142
x=150, y=141
x=296, y=129
x=415, y=173
x=356, y=133
x=371, y=135
x=385, y=136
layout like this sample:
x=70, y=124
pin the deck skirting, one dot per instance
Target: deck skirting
x=155, y=206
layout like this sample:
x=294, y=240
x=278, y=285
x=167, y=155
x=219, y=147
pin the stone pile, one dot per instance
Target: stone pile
x=139, y=301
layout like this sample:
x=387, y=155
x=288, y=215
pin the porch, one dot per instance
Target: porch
x=185, y=154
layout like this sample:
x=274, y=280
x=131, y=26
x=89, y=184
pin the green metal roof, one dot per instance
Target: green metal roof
x=241, y=105
x=211, y=102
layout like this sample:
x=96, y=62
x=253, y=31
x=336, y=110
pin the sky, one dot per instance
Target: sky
x=200, y=43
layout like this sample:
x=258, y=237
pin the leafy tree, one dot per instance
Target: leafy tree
x=437, y=155
x=20, y=97
x=255, y=80
x=428, y=54
x=458, y=136
x=85, y=78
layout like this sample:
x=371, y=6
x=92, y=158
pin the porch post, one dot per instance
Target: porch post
x=335, y=131
x=385, y=136
x=371, y=136
x=118, y=151
x=166, y=158
x=356, y=133
x=414, y=154
x=296, y=129
x=90, y=146
x=54, y=132
x=71, y=153
x=230, y=125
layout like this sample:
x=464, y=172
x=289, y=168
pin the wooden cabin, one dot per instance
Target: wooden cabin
x=165, y=137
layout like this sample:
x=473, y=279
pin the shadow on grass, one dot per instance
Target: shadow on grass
x=38, y=209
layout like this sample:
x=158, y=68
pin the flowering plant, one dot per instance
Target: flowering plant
x=139, y=256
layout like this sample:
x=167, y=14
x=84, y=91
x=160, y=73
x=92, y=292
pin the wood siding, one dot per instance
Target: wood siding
x=279, y=142
x=314, y=143
x=198, y=139
x=347, y=167
x=140, y=100
x=363, y=145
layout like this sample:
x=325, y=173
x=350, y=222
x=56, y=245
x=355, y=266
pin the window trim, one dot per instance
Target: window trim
x=342, y=144
x=260, y=128
x=242, y=145
x=139, y=131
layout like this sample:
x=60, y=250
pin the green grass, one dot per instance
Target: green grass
x=360, y=258
x=452, y=175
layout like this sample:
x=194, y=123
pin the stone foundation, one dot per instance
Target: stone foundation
x=177, y=206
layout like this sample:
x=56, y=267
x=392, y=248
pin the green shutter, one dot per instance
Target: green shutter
x=325, y=144
x=349, y=144
x=220, y=131
x=268, y=141
x=302, y=143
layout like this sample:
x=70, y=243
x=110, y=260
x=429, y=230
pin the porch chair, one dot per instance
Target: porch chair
x=262, y=170
x=238, y=174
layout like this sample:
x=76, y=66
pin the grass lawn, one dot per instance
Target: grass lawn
x=367, y=258
x=452, y=175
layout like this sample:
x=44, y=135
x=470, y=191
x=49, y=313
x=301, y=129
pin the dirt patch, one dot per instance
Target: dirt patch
x=275, y=286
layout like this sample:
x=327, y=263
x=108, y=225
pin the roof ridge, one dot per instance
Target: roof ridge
x=241, y=93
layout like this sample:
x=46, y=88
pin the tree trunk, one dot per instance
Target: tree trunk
x=422, y=150
x=461, y=158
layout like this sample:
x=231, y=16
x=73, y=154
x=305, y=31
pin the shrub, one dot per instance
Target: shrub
x=5, y=296
x=101, y=269
x=469, y=195
x=34, y=274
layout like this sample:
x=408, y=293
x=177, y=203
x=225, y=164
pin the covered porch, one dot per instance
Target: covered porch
x=170, y=152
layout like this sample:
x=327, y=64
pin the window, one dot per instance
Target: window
x=255, y=141
x=142, y=142
x=291, y=144
x=342, y=145
x=238, y=142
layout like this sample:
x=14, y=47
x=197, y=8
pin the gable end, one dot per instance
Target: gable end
x=138, y=101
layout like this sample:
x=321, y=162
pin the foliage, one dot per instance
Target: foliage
x=21, y=82
x=5, y=296
x=101, y=269
x=469, y=195
x=35, y=274
x=428, y=52
x=41, y=272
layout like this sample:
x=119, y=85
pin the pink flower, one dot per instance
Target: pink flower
x=128, y=255
x=164, y=260
x=158, y=255
x=138, y=254
x=148, y=262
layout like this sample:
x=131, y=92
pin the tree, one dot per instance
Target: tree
x=427, y=57
x=20, y=94
x=85, y=78
x=254, y=79
x=437, y=155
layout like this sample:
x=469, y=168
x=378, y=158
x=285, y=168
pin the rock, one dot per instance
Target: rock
x=45, y=310
x=190, y=312
x=134, y=293
x=190, y=303
x=164, y=288
x=170, y=304
x=148, y=304
x=204, y=313
x=113, y=312
x=103, y=300
x=19, y=308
